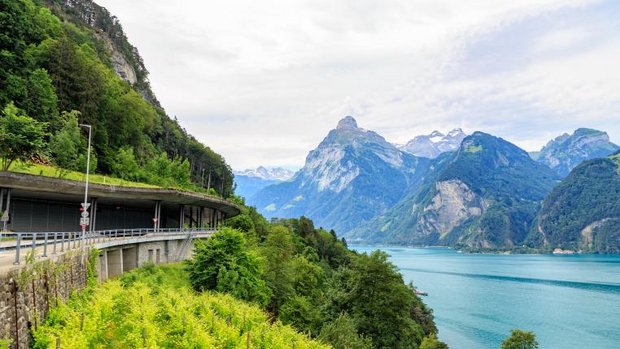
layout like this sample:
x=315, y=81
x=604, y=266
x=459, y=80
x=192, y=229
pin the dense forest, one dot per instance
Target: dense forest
x=583, y=212
x=57, y=71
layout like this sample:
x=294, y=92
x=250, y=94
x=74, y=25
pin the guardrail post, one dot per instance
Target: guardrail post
x=34, y=240
x=45, y=246
x=18, y=248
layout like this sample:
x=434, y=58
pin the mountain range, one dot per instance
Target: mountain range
x=565, y=152
x=484, y=193
x=434, y=144
x=250, y=181
x=351, y=177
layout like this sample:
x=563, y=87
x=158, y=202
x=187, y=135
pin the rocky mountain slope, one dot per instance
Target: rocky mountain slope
x=484, y=195
x=352, y=176
x=567, y=151
x=432, y=145
x=583, y=212
x=250, y=181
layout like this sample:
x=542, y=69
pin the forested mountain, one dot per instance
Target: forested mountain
x=484, y=195
x=353, y=175
x=583, y=212
x=565, y=152
x=62, y=56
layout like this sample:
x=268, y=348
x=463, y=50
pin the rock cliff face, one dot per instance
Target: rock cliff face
x=567, y=151
x=453, y=204
x=353, y=175
x=119, y=63
x=583, y=211
x=123, y=57
x=484, y=195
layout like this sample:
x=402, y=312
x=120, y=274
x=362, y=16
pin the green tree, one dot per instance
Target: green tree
x=223, y=263
x=42, y=101
x=21, y=137
x=372, y=292
x=342, y=334
x=278, y=250
x=431, y=342
x=520, y=340
x=125, y=165
x=66, y=145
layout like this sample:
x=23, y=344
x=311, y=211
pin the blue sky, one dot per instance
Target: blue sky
x=263, y=82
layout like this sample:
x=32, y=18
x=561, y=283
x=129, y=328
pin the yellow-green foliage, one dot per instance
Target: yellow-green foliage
x=155, y=308
x=474, y=148
x=616, y=158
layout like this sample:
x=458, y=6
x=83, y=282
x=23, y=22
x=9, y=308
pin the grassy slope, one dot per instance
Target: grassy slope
x=49, y=171
x=154, y=307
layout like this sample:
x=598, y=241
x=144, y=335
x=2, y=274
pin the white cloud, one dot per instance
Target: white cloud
x=263, y=82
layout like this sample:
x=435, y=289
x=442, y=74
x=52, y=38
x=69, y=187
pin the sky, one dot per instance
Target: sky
x=263, y=82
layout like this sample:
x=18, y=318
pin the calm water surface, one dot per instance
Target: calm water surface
x=569, y=301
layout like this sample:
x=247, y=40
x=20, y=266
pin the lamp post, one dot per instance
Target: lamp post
x=85, y=204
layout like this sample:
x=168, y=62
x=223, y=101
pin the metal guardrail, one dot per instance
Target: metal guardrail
x=64, y=241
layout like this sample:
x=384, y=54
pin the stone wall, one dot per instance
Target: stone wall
x=26, y=294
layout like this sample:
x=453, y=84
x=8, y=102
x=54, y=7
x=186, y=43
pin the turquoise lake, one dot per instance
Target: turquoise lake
x=569, y=301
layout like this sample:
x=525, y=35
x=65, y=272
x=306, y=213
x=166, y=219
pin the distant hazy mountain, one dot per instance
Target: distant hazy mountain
x=250, y=181
x=583, y=212
x=567, y=151
x=432, y=145
x=484, y=195
x=352, y=176
x=267, y=173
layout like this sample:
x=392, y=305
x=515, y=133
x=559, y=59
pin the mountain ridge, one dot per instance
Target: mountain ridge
x=352, y=175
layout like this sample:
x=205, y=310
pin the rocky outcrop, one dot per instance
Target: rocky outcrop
x=453, y=204
x=352, y=176
x=119, y=63
x=567, y=151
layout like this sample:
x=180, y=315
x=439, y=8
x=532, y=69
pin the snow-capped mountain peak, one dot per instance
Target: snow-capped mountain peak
x=435, y=143
x=268, y=173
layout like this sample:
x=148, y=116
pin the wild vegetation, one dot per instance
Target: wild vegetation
x=56, y=73
x=583, y=212
x=313, y=282
x=154, y=307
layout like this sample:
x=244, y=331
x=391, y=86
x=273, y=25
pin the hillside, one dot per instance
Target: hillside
x=70, y=63
x=484, y=195
x=352, y=176
x=154, y=307
x=583, y=212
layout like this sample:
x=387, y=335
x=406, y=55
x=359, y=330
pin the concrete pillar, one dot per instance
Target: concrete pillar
x=157, y=216
x=102, y=266
x=6, y=212
x=191, y=216
x=130, y=258
x=181, y=216
x=115, y=262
